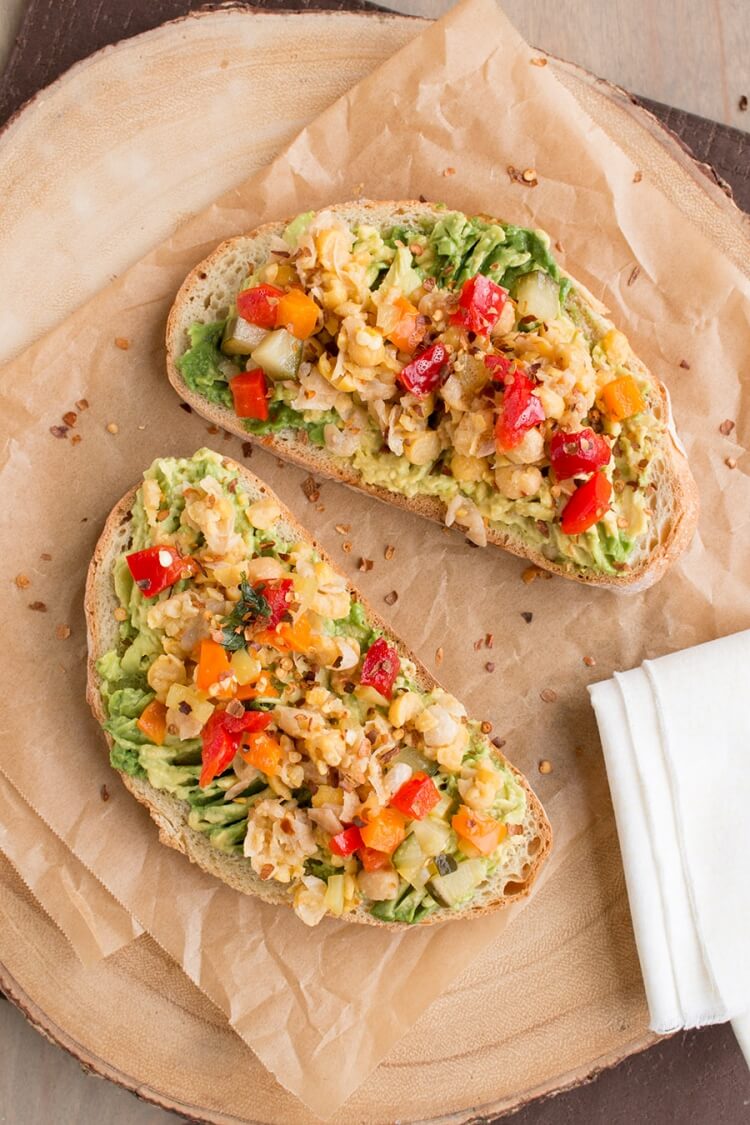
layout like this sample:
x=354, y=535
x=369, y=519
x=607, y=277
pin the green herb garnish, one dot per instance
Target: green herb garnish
x=251, y=606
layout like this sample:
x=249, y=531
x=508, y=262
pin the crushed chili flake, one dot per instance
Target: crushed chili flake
x=365, y=565
x=538, y=62
x=637, y=177
x=62, y=632
x=343, y=528
x=38, y=607
x=320, y=508
x=346, y=547
x=548, y=695
x=633, y=275
x=22, y=581
x=266, y=871
x=122, y=343
x=527, y=615
x=46, y=556
x=489, y=666
x=212, y=429
x=589, y=661
x=59, y=431
x=70, y=418
x=545, y=766
x=531, y=573
x=486, y=727
x=82, y=404
x=439, y=656
x=391, y=598
x=498, y=743
x=684, y=365
x=247, y=449
x=389, y=552
x=527, y=177
x=311, y=489
x=726, y=427
x=449, y=171
x=489, y=640
x=478, y=644
x=76, y=439
x=104, y=793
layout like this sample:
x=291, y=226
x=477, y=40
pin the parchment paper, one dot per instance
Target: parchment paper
x=444, y=118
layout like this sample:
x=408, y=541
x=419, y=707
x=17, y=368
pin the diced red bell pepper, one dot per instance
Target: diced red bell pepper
x=250, y=394
x=416, y=797
x=380, y=668
x=580, y=452
x=157, y=568
x=520, y=411
x=346, y=842
x=587, y=505
x=259, y=304
x=422, y=375
x=499, y=366
x=479, y=305
x=221, y=740
x=277, y=594
x=373, y=860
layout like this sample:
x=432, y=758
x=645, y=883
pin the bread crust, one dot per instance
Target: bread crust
x=170, y=813
x=680, y=521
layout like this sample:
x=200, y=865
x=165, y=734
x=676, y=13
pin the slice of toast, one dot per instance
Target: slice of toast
x=209, y=292
x=511, y=881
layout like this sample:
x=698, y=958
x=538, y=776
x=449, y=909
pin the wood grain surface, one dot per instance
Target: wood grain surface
x=698, y=1077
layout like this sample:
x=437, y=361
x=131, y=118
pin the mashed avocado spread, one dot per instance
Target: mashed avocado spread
x=446, y=356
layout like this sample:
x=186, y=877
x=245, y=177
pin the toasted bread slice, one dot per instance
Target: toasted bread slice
x=208, y=293
x=509, y=883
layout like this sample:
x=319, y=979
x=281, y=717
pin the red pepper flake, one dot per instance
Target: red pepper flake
x=449, y=171
x=538, y=61
x=391, y=598
x=486, y=727
x=122, y=343
x=70, y=418
x=478, y=644
x=46, y=556
x=498, y=743
x=389, y=552
x=104, y=793
x=726, y=427
x=22, y=581
x=684, y=365
x=311, y=489
x=76, y=439
x=82, y=404
x=343, y=528
x=489, y=640
x=38, y=607
x=247, y=449
x=59, y=431
x=527, y=177
x=548, y=695
x=365, y=565
x=527, y=615
x=489, y=666
x=62, y=632
x=439, y=656
x=212, y=430
x=589, y=661
x=633, y=275
x=637, y=177
x=346, y=547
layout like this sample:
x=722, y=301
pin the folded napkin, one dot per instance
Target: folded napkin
x=676, y=738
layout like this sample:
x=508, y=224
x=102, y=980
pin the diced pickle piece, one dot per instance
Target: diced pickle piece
x=279, y=354
x=452, y=890
x=241, y=337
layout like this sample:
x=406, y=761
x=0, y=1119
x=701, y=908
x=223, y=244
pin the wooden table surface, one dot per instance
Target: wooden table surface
x=690, y=54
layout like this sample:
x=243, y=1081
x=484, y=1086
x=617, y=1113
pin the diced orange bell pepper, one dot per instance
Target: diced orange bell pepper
x=153, y=722
x=385, y=831
x=288, y=637
x=262, y=688
x=483, y=832
x=621, y=398
x=408, y=332
x=262, y=751
x=298, y=313
x=213, y=665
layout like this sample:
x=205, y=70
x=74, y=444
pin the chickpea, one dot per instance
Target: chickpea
x=467, y=468
x=422, y=448
x=515, y=483
x=529, y=450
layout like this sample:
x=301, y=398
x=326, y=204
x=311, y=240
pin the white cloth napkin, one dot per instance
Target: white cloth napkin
x=676, y=738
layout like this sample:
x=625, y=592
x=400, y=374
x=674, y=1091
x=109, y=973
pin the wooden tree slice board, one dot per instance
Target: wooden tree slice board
x=513, y=1029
